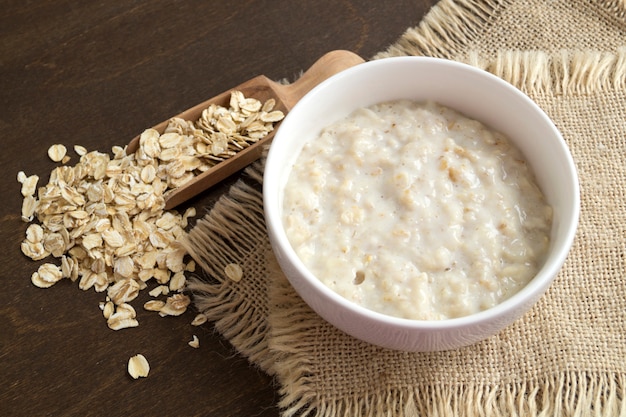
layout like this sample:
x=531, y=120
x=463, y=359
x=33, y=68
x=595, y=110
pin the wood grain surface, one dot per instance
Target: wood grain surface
x=96, y=74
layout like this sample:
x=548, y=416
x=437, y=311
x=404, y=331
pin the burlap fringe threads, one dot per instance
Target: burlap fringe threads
x=238, y=310
x=565, y=73
x=573, y=394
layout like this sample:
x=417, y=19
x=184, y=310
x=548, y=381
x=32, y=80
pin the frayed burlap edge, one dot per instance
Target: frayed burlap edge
x=234, y=232
x=565, y=73
x=447, y=26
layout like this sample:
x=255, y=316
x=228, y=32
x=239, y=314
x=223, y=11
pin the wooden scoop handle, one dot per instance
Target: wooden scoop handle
x=328, y=65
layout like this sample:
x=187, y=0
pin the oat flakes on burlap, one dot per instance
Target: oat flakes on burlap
x=567, y=355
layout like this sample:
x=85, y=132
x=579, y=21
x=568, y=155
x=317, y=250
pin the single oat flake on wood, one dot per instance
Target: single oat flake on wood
x=138, y=366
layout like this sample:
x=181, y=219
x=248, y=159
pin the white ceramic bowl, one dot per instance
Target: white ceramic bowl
x=478, y=95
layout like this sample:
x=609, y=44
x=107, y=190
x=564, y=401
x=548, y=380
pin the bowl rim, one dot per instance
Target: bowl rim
x=526, y=295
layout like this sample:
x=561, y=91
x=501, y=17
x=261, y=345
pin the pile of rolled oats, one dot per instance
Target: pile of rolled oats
x=104, y=218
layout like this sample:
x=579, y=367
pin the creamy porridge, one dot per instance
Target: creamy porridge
x=413, y=210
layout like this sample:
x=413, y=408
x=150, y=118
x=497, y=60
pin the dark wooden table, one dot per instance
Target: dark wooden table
x=96, y=74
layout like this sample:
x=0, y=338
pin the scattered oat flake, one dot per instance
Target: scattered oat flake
x=234, y=272
x=123, y=291
x=39, y=282
x=191, y=266
x=29, y=206
x=123, y=317
x=34, y=233
x=29, y=185
x=46, y=276
x=108, y=309
x=57, y=152
x=138, y=366
x=125, y=310
x=121, y=323
x=178, y=281
x=154, y=305
x=175, y=305
x=159, y=290
x=80, y=150
x=195, y=343
x=199, y=320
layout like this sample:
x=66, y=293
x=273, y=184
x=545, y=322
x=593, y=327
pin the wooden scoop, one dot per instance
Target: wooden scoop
x=262, y=89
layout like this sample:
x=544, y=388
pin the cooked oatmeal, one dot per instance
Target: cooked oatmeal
x=413, y=210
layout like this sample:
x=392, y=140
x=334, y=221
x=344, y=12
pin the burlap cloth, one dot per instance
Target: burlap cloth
x=567, y=356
